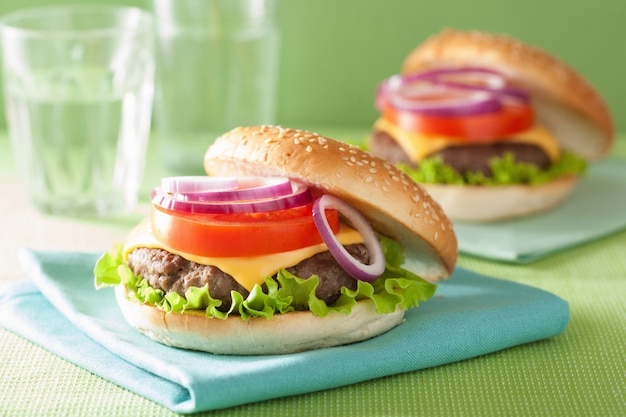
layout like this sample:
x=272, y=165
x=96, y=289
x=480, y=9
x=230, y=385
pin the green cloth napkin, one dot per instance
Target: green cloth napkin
x=59, y=309
x=596, y=208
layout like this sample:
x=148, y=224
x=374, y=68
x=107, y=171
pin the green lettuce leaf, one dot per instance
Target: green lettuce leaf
x=396, y=287
x=505, y=171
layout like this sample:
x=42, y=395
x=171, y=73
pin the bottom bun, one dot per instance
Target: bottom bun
x=286, y=333
x=484, y=203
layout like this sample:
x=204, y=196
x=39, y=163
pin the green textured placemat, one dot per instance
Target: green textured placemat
x=470, y=315
x=580, y=373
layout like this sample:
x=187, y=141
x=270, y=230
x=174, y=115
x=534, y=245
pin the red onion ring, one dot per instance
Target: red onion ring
x=437, y=100
x=422, y=97
x=492, y=77
x=502, y=91
x=465, y=97
x=357, y=270
x=492, y=81
x=299, y=195
x=197, y=184
x=248, y=188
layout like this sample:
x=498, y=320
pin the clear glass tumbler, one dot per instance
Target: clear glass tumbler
x=78, y=85
x=217, y=65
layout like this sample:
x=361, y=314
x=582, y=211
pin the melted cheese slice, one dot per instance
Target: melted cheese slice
x=247, y=271
x=418, y=146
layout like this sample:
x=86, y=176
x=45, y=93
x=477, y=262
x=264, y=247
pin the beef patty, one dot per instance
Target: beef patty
x=462, y=158
x=168, y=272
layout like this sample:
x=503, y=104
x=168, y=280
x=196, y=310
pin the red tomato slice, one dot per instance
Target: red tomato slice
x=512, y=118
x=234, y=235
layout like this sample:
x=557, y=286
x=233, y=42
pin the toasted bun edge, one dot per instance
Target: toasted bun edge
x=476, y=204
x=286, y=333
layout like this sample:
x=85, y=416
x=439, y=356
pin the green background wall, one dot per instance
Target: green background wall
x=334, y=52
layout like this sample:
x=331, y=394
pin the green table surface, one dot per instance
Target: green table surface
x=579, y=373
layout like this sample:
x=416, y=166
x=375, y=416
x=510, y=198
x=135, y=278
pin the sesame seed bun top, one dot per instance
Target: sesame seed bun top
x=394, y=204
x=565, y=102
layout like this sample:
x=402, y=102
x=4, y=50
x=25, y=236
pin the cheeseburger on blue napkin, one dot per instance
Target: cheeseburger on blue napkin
x=293, y=242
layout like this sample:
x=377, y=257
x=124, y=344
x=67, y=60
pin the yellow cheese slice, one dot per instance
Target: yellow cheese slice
x=418, y=146
x=248, y=271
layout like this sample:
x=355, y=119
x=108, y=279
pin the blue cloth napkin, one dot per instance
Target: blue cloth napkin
x=596, y=208
x=59, y=309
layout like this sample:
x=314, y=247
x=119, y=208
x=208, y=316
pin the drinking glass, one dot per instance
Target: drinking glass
x=78, y=85
x=217, y=64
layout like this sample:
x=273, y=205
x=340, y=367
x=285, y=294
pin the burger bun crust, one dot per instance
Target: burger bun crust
x=476, y=204
x=281, y=334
